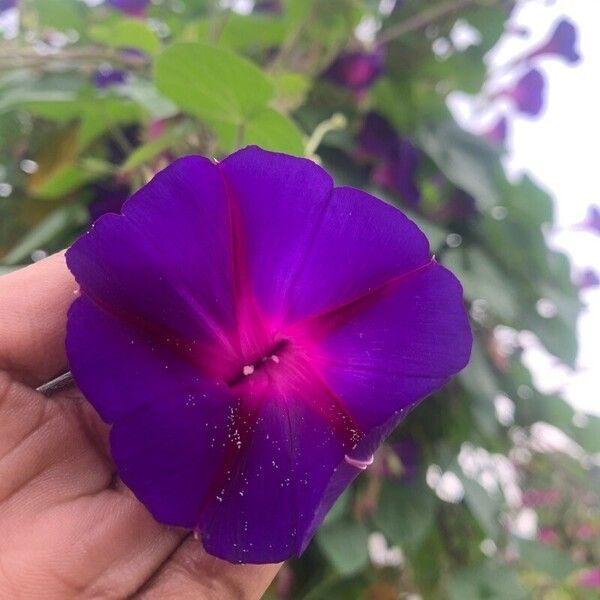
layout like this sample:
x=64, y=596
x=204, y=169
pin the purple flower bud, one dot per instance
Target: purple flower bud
x=562, y=42
x=106, y=78
x=528, y=93
x=498, y=132
x=588, y=279
x=135, y=8
x=356, y=70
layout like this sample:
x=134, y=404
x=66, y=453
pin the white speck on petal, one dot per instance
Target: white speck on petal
x=359, y=464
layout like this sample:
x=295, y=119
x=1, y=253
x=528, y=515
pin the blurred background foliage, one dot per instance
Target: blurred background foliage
x=490, y=488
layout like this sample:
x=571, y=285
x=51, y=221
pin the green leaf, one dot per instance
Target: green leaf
x=242, y=31
x=126, y=33
x=338, y=510
x=212, y=83
x=146, y=152
x=267, y=129
x=546, y=559
x=145, y=94
x=344, y=543
x=58, y=223
x=485, y=508
x=466, y=160
x=490, y=581
x=482, y=279
x=60, y=14
x=290, y=90
x=480, y=381
x=273, y=131
x=405, y=512
x=65, y=180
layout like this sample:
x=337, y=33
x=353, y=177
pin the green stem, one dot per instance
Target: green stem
x=427, y=17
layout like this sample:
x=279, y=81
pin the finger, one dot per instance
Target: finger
x=33, y=313
x=192, y=573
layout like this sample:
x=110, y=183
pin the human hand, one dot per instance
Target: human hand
x=68, y=527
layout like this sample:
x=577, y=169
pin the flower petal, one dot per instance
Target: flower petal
x=133, y=264
x=278, y=201
x=281, y=487
x=362, y=243
x=394, y=349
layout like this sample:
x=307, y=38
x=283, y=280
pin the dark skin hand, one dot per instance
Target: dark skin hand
x=68, y=527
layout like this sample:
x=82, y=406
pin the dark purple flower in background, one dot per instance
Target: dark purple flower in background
x=268, y=6
x=107, y=200
x=397, y=159
x=7, y=5
x=528, y=93
x=399, y=174
x=377, y=138
x=498, y=132
x=562, y=43
x=105, y=78
x=134, y=8
x=263, y=332
x=356, y=70
x=588, y=279
x=459, y=207
x=409, y=454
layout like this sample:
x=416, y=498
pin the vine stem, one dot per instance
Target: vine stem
x=427, y=17
x=26, y=57
x=62, y=382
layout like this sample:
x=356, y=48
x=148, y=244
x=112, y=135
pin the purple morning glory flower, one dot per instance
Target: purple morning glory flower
x=528, y=93
x=253, y=333
x=108, y=77
x=135, y=8
x=498, y=132
x=399, y=158
x=356, y=70
x=562, y=42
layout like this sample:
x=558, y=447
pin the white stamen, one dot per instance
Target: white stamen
x=275, y=359
x=359, y=464
x=248, y=370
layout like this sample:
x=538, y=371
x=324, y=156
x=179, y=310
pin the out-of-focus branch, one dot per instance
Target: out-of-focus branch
x=427, y=17
x=14, y=58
